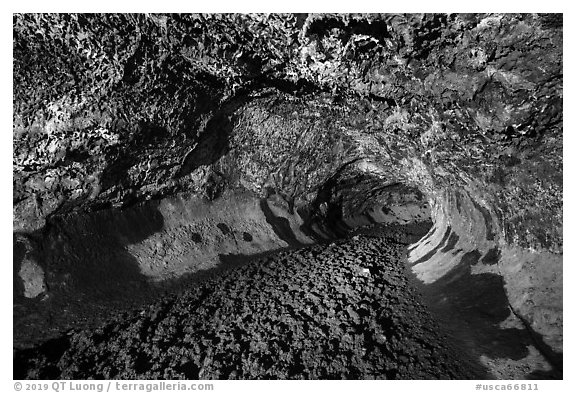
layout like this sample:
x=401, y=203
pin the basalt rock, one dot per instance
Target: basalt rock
x=328, y=121
x=293, y=316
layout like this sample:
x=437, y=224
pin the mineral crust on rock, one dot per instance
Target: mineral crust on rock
x=149, y=148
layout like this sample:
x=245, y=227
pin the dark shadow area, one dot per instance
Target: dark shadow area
x=280, y=225
x=404, y=234
x=471, y=307
x=18, y=253
x=309, y=227
x=452, y=240
x=212, y=145
x=432, y=252
x=223, y=228
x=196, y=237
x=431, y=231
x=487, y=219
x=88, y=272
x=555, y=358
x=50, y=352
x=491, y=257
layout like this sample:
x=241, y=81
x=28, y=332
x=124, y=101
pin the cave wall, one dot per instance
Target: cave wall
x=114, y=110
x=83, y=267
x=463, y=246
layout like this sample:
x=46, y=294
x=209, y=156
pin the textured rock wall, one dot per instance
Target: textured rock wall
x=80, y=268
x=462, y=256
x=112, y=110
x=83, y=266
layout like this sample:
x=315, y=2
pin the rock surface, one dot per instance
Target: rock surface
x=101, y=263
x=329, y=114
x=342, y=310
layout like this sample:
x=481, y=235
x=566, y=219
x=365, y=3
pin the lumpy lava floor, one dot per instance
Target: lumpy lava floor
x=344, y=310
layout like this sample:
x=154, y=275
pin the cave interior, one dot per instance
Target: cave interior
x=278, y=196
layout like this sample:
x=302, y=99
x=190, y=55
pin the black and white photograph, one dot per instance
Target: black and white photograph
x=287, y=196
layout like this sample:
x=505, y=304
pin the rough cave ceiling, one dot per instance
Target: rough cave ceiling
x=112, y=110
